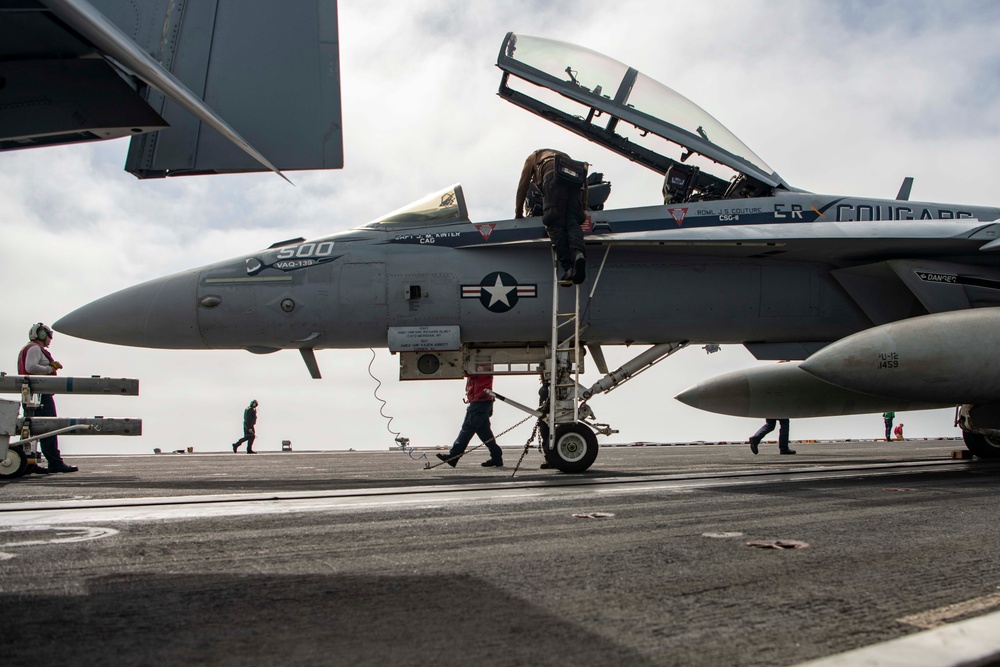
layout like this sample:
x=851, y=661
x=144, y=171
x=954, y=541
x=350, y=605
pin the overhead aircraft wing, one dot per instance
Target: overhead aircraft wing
x=202, y=87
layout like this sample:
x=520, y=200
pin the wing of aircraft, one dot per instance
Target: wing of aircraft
x=748, y=260
x=201, y=87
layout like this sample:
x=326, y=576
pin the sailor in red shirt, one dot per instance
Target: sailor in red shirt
x=35, y=359
x=477, y=421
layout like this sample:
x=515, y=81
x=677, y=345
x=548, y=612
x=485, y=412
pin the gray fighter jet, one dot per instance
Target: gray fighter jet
x=735, y=255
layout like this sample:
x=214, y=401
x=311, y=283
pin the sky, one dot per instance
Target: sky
x=838, y=98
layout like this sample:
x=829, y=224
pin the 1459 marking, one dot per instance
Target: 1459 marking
x=888, y=360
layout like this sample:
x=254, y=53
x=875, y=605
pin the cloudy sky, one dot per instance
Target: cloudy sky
x=837, y=97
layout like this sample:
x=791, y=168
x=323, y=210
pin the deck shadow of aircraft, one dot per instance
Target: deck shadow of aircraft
x=302, y=619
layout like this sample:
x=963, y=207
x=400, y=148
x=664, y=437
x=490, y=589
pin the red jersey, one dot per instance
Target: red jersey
x=22, y=368
x=476, y=386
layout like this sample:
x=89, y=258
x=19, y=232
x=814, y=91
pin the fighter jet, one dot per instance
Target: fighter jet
x=874, y=289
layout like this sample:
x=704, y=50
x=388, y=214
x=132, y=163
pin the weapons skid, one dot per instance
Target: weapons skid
x=16, y=457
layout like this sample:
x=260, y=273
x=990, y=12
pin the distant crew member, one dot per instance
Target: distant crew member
x=35, y=359
x=560, y=179
x=767, y=428
x=899, y=432
x=887, y=417
x=477, y=421
x=249, y=428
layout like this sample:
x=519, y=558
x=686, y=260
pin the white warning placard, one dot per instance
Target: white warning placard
x=424, y=339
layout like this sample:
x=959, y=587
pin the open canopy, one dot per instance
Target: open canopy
x=611, y=92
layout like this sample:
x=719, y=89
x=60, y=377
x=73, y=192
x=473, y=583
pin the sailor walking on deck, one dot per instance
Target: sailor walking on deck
x=249, y=428
x=476, y=422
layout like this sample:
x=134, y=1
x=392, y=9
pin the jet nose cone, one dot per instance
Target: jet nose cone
x=728, y=394
x=161, y=313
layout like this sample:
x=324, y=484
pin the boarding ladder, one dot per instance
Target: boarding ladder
x=564, y=364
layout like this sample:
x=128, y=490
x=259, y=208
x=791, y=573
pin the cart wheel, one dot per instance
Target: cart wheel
x=14, y=464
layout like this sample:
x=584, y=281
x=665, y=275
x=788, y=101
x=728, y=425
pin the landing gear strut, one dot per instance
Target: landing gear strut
x=575, y=447
x=564, y=407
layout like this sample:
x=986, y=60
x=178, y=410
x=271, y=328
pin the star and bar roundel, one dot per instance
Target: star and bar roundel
x=499, y=292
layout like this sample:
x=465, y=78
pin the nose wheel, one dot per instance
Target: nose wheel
x=573, y=450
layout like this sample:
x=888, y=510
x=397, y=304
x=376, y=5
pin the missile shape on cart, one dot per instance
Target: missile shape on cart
x=50, y=384
x=942, y=358
x=98, y=425
x=785, y=390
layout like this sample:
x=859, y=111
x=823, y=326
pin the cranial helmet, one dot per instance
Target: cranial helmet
x=39, y=332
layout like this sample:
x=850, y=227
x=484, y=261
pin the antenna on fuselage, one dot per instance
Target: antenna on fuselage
x=904, y=189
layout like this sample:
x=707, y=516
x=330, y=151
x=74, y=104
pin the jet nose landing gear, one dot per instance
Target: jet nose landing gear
x=573, y=450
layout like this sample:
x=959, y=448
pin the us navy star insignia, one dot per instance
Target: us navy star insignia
x=499, y=292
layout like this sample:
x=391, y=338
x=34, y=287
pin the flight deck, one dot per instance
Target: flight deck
x=659, y=555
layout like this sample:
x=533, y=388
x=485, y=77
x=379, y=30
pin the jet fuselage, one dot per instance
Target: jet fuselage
x=756, y=271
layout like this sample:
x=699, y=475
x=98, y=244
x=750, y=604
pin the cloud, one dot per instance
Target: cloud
x=837, y=97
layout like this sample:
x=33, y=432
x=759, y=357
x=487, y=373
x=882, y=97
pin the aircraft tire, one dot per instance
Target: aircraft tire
x=573, y=450
x=982, y=446
x=14, y=465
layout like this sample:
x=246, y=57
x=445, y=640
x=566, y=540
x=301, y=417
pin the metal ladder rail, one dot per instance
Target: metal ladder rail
x=559, y=321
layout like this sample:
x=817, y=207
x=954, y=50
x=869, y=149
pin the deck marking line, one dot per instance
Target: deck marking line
x=937, y=617
x=972, y=642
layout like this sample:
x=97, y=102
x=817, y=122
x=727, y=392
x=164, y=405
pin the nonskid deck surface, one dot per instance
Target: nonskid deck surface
x=645, y=560
x=142, y=475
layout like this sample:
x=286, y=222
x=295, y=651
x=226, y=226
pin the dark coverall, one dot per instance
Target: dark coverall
x=477, y=417
x=49, y=445
x=249, y=433
x=562, y=207
x=767, y=428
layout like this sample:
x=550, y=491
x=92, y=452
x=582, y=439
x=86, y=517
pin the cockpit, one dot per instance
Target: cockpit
x=639, y=118
x=438, y=208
